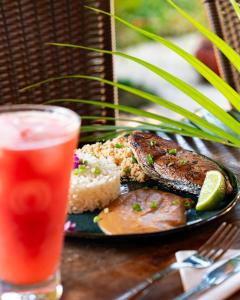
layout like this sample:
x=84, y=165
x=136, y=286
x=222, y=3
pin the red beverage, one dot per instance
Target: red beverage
x=36, y=157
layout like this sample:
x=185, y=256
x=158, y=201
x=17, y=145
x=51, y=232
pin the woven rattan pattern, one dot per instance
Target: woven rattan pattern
x=25, y=28
x=226, y=24
x=231, y=31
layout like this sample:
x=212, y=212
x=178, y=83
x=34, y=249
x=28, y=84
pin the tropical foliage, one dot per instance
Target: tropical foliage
x=156, y=16
x=226, y=133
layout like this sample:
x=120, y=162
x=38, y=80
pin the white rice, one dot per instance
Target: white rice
x=122, y=156
x=90, y=190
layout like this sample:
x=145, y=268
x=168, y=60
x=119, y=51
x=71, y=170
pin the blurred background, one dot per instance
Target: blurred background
x=156, y=16
x=159, y=17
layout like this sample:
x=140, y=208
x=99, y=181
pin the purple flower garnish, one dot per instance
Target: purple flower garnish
x=76, y=162
x=69, y=226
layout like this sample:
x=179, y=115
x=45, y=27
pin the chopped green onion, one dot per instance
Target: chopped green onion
x=96, y=219
x=127, y=171
x=97, y=171
x=175, y=202
x=137, y=207
x=85, y=162
x=119, y=146
x=82, y=168
x=153, y=205
x=153, y=143
x=188, y=203
x=134, y=161
x=172, y=151
x=182, y=162
x=150, y=160
x=76, y=172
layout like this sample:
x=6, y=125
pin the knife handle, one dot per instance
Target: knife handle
x=192, y=292
x=142, y=286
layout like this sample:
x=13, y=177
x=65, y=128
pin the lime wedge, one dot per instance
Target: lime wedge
x=212, y=192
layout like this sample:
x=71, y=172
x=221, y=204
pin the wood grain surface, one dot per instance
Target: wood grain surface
x=101, y=270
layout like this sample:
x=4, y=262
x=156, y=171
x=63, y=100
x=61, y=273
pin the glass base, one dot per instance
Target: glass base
x=47, y=290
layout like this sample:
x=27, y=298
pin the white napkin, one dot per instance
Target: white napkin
x=192, y=277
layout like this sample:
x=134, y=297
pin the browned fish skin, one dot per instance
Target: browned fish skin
x=181, y=171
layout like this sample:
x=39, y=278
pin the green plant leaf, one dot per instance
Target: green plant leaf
x=113, y=134
x=232, y=55
x=121, y=119
x=191, y=131
x=96, y=128
x=187, y=89
x=236, y=7
x=123, y=128
x=160, y=101
x=99, y=128
x=181, y=85
x=220, y=113
x=165, y=122
x=125, y=120
x=156, y=126
x=206, y=72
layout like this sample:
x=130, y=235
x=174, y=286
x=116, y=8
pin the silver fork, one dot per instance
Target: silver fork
x=206, y=255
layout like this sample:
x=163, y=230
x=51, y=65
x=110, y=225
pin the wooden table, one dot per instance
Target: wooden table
x=101, y=270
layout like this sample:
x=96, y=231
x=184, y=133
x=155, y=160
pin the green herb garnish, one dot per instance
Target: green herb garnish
x=175, y=202
x=76, y=172
x=96, y=219
x=182, y=162
x=153, y=205
x=137, y=207
x=119, y=146
x=134, y=161
x=97, y=171
x=127, y=171
x=187, y=204
x=153, y=143
x=85, y=162
x=82, y=168
x=172, y=151
x=150, y=160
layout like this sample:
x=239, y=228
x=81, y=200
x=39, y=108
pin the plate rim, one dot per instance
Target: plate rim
x=161, y=234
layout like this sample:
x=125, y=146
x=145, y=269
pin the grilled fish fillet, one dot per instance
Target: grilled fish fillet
x=171, y=165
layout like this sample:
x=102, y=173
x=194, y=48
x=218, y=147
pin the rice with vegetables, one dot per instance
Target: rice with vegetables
x=95, y=182
x=120, y=152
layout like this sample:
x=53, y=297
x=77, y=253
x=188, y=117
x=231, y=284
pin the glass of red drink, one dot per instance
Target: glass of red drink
x=37, y=144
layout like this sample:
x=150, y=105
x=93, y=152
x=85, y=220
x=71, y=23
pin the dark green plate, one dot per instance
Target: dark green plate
x=85, y=227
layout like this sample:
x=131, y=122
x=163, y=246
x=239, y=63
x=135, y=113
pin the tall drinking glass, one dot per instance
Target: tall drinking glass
x=36, y=156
